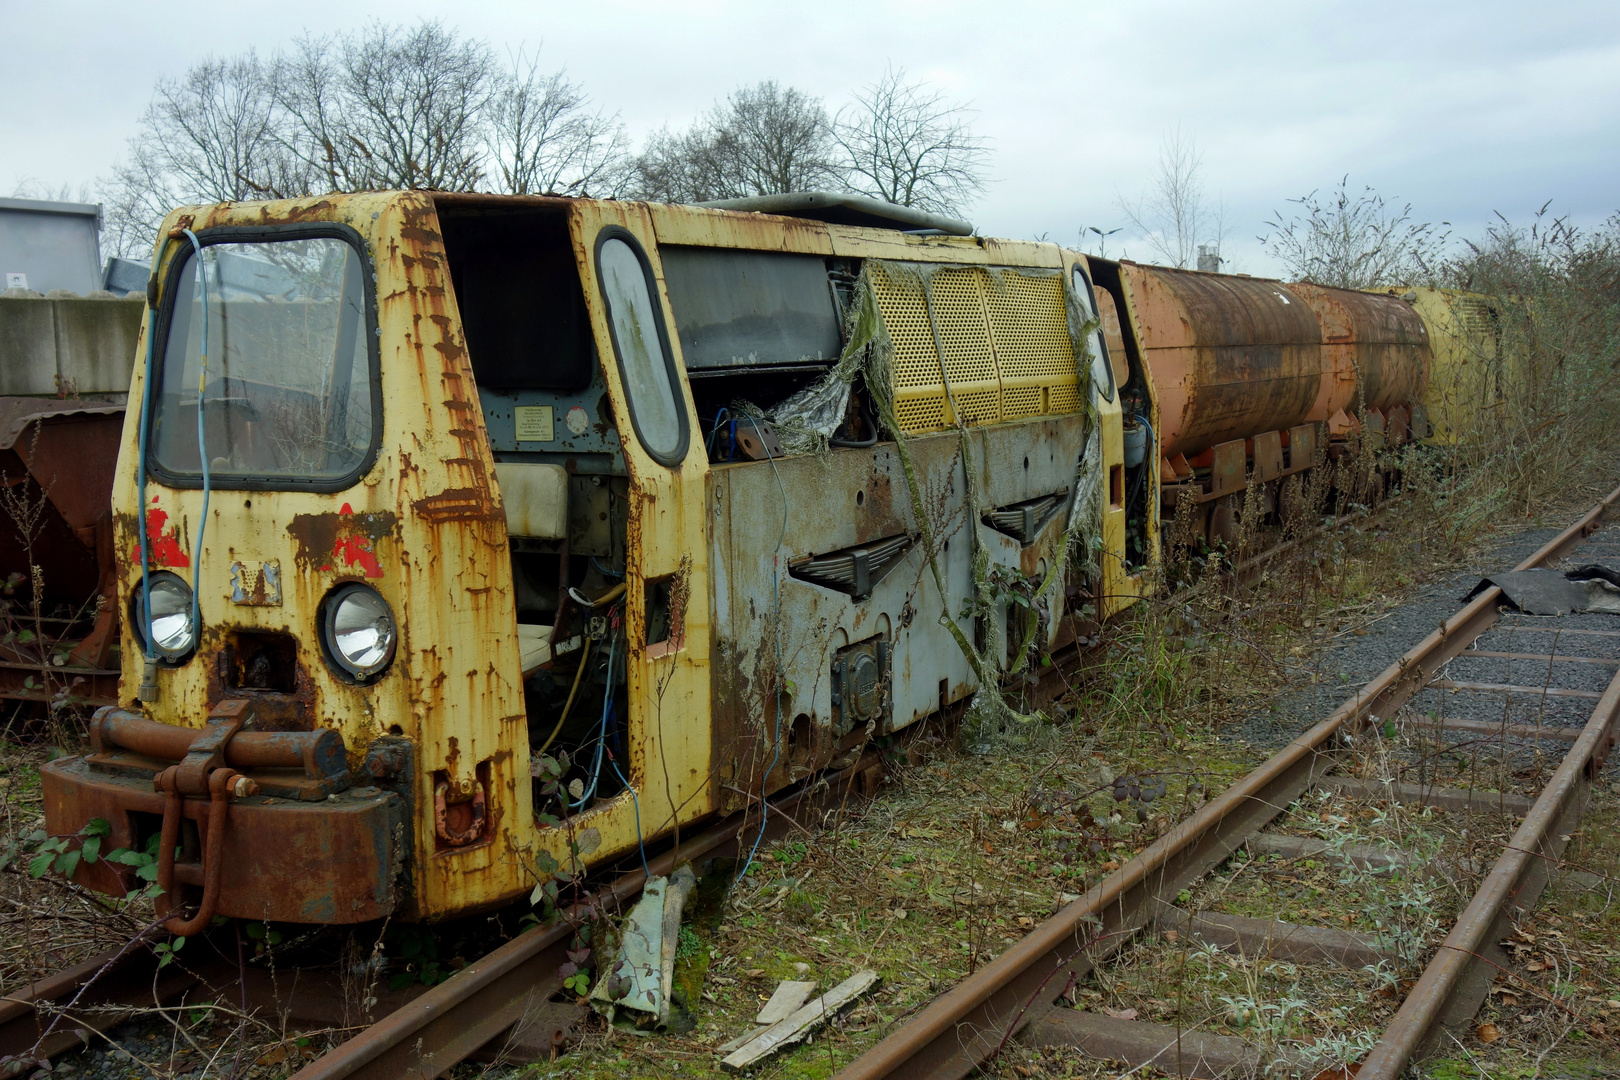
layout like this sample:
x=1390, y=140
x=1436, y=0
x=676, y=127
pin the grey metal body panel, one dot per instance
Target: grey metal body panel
x=823, y=515
x=82, y=345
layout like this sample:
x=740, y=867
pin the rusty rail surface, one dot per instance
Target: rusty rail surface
x=422, y=1037
x=970, y=1023
x=452, y=1020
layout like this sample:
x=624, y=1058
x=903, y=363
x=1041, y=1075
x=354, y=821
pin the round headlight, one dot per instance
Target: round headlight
x=169, y=627
x=359, y=630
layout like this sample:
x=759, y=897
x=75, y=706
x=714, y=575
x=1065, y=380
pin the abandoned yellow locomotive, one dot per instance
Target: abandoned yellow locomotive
x=452, y=528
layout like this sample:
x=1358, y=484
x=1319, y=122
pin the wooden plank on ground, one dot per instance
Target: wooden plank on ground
x=806, y=1019
x=788, y=999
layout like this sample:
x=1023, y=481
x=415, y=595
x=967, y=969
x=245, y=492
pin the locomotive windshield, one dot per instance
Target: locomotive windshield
x=286, y=384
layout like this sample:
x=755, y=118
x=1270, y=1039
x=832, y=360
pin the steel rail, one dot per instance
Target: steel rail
x=1455, y=982
x=450, y=1021
x=969, y=1023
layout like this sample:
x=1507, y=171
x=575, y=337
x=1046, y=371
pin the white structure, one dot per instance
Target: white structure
x=50, y=245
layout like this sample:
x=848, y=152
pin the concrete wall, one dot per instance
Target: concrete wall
x=88, y=342
x=53, y=245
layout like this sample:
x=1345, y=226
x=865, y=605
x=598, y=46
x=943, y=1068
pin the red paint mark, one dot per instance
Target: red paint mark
x=350, y=550
x=165, y=546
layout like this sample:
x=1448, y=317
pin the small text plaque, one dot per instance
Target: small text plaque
x=534, y=423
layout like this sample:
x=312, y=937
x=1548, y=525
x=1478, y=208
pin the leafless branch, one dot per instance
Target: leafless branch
x=908, y=144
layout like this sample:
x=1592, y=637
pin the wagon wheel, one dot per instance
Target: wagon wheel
x=1291, y=502
x=1223, y=525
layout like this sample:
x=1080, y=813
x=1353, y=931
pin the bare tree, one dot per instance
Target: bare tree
x=764, y=139
x=210, y=136
x=907, y=144
x=390, y=107
x=542, y=139
x=34, y=188
x=387, y=107
x=1355, y=241
x=1175, y=216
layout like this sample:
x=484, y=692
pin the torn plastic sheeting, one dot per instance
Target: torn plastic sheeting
x=1588, y=588
x=635, y=991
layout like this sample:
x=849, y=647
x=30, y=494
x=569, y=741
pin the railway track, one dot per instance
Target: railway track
x=500, y=1004
x=1014, y=996
x=496, y=1005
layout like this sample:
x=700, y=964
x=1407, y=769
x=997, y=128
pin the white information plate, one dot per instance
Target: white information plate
x=534, y=423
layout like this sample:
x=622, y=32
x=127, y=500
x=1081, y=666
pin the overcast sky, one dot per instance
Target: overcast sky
x=1461, y=108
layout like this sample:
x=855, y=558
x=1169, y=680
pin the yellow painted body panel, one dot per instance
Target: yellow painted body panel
x=1470, y=381
x=440, y=542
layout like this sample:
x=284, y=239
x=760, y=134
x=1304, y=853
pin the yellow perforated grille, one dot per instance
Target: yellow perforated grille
x=919, y=400
x=1004, y=339
x=1031, y=332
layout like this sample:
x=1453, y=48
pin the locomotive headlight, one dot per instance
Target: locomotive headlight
x=359, y=630
x=169, y=627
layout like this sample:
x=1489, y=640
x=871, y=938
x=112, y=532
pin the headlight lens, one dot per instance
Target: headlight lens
x=359, y=630
x=170, y=627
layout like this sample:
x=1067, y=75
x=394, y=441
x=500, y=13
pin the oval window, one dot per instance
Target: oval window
x=641, y=344
x=1102, y=373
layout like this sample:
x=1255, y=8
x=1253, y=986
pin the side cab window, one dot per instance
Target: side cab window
x=641, y=346
x=1102, y=372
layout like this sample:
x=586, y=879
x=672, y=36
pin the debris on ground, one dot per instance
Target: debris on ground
x=798, y=1024
x=634, y=993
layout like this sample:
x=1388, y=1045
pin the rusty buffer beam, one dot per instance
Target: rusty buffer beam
x=970, y=1023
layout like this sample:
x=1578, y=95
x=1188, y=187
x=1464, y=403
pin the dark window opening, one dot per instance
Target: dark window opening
x=758, y=326
x=1136, y=407
x=521, y=303
x=750, y=308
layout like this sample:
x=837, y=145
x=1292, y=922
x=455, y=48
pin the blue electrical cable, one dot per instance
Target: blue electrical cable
x=776, y=584
x=601, y=737
x=140, y=479
x=714, y=429
x=635, y=802
x=604, y=571
x=202, y=438
x=596, y=762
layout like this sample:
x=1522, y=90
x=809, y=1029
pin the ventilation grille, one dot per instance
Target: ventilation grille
x=1003, y=337
x=855, y=570
x=1024, y=521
